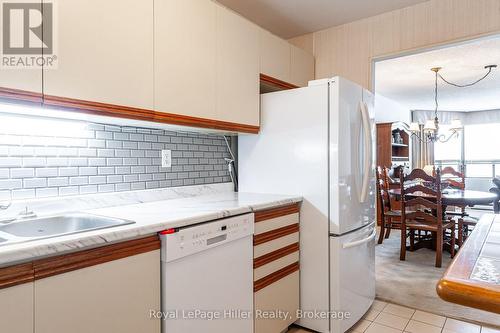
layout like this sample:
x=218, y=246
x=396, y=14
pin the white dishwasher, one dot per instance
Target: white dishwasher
x=207, y=277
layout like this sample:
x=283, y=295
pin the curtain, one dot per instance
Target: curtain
x=469, y=117
x=422, y=153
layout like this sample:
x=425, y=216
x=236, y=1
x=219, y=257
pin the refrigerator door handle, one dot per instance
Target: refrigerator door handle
x=361, y=241
x=365, y=116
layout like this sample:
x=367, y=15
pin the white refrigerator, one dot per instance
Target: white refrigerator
x=318, y=142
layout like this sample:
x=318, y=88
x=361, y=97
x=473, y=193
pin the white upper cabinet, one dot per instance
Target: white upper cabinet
x=302, y=67
x=185, y=51
x=237, y=84
x=25, y=78
x=274, y=56
x=105, y=52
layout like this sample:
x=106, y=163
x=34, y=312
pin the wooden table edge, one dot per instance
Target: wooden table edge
x=456, y=286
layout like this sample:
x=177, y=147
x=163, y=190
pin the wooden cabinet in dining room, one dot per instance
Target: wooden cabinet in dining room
x=185, y=63
x=237, y=65
x=104, y=53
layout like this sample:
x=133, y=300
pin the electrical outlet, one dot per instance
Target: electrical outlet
x=166, y=158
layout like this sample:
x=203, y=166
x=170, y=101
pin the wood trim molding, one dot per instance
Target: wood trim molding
x=272, y=213
x=69, y=262
x=276, y=82
x=457, y=287
x=112, y=110
x=18, y=274
x=17, y=95
x=276, y=276
x=276, y=233
x=275, y=255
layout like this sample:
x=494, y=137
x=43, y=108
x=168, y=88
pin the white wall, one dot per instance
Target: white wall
x=387, y=110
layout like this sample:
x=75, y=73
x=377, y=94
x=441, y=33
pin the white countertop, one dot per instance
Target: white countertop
x=150, y=218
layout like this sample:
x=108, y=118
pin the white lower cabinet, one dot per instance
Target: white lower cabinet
x=276, y=269
x=115, y=296
x=16, y=309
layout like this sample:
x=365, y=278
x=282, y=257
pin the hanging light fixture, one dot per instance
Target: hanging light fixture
x=431, y=126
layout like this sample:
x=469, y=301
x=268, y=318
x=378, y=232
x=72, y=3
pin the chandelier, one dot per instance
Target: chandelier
x=431, y=127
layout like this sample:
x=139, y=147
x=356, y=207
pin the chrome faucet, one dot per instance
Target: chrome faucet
x=26, y=214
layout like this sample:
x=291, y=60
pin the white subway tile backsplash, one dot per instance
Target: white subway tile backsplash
x=97, y=179
x=106, y=188
x=57, y=182
x=23, y=194
x=105, y=170
x=87, y=171
x=88, y=189
x=104, y=158
x=78, y=180
x=22, y=173
x=10, y=184
x=72, y=171
x=46, y=192
x=70, y=190
x=34, y=182
x=4, y=173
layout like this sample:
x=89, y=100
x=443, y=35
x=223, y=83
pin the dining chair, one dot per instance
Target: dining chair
x=456, y=180
x=390, y=218
x=422, y=209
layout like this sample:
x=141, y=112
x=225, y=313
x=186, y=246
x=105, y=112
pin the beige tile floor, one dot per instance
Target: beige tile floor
x=391, y=318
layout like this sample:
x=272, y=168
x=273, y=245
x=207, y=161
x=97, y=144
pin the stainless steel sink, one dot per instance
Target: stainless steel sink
x=46, y=227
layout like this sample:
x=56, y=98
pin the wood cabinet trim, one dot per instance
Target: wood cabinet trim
x=272, y=213
x=276, y=276
x=14, y=275
x=276, y=82
x=275, y=255
x=112, y=110
x=274, y=234
x=17, y=95
x=44, y=268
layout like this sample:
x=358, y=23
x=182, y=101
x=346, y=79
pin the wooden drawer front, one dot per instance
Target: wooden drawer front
x=275, y=265
x=276, y=223
x=274, y=245
x=282, y=295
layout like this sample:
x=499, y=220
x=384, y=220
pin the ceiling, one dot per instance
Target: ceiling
x=409, y=81
x=291, y=18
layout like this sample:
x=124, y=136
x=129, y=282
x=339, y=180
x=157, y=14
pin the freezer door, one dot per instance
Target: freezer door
x=352, y=276
x=352, y=195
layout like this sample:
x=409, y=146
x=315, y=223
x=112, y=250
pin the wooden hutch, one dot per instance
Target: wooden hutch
x=393, y=149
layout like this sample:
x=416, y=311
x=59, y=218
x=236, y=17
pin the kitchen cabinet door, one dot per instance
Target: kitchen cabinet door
x=16, y=309
x=116, y=296
x=274, y=56
x=105, y=52
x=302, y=67
x=237, y=84
x=19, y=79
x=185, y=42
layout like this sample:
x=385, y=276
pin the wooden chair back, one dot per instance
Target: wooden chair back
x=427, y=209
x=384, y=198
x=455, y=178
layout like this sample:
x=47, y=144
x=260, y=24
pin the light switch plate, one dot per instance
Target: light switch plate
x=166, y=158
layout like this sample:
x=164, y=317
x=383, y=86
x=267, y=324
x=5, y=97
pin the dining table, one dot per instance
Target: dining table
x=455, y=197
x=450, y=197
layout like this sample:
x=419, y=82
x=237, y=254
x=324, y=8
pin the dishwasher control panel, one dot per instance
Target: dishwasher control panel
x=181, y=242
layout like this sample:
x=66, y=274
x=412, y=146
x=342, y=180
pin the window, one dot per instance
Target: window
x=450, y=150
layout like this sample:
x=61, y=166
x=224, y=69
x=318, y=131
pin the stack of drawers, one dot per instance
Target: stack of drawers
x=276, y=268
